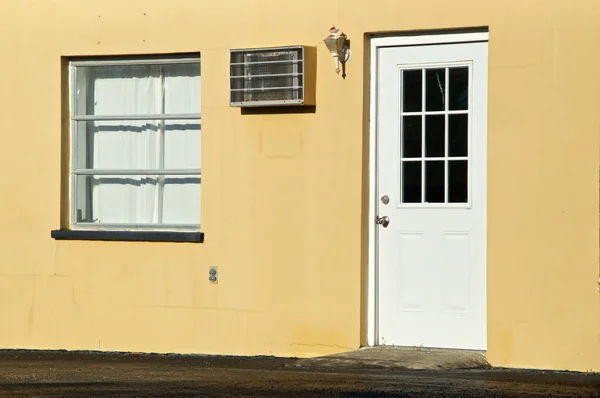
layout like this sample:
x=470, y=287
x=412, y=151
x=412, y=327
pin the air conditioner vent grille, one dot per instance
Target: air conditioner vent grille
x=269, y=76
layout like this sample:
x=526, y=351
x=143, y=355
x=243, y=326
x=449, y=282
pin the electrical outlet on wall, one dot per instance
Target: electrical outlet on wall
x=213, y=275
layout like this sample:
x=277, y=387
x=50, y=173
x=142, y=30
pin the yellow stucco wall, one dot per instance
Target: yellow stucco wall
x=283, y=195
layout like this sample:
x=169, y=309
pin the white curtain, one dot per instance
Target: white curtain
x=181, y=200
x=144, y=90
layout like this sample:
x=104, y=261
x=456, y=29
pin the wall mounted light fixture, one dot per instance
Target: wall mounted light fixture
x=339, y=48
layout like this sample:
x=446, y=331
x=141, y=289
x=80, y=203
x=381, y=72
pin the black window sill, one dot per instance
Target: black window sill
x=137, y=236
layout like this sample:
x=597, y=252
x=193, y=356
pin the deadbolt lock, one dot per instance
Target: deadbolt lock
x=385, y=199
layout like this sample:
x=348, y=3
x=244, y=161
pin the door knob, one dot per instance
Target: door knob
x=383, y=221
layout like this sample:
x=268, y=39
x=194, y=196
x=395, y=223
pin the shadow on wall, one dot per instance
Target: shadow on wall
x=276, y=110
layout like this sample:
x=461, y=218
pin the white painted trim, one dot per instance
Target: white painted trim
x=397, y=41
x=134, y=61
x=372, y=266
x=376, y=43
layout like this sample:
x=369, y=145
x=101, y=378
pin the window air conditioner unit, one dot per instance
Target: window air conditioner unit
x=273, y=76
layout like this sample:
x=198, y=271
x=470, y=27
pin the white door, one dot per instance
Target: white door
x=431, y=186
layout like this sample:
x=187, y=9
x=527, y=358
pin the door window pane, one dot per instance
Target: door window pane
x=434, y=135
x=458, y=127
x=459, y=88
x=434, y=182
x=435, y=89
x=457, y=181
x=412, y=90
x=411, y=136
x=411, y=182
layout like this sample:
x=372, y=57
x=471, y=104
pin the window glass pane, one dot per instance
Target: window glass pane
x=181, y=201
x=459, y=88
x=434, y=135
x=435, y=89
x=182, y=144
x=134, y=144
x=118, y=90
x=182, y=88
x=411, y=182
x=434, y=182
x=131, y=144
x=411, y=136
x=457, y=181
x=129, y=199
x=136, y=89
x=412, y=90
x=458, y=127
x=83, y=157
x=83, y=207
x=119, y=199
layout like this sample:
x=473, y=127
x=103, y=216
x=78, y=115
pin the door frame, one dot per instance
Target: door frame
x=378, y=42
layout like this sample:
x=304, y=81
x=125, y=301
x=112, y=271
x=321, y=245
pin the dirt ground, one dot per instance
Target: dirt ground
x=91, y=374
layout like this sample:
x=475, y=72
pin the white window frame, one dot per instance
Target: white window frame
x=160, y=171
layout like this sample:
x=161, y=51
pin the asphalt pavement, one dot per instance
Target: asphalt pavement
x=94, y=374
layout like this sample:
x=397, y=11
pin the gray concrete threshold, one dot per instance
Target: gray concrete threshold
x=410, y=358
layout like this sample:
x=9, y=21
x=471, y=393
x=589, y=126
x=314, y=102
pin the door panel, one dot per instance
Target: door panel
x=431, y=162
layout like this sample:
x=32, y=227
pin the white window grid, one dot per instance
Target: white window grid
x=423, y=113
x=160, y=171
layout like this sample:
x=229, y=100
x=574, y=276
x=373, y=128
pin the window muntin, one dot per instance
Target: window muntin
x=136, y=144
